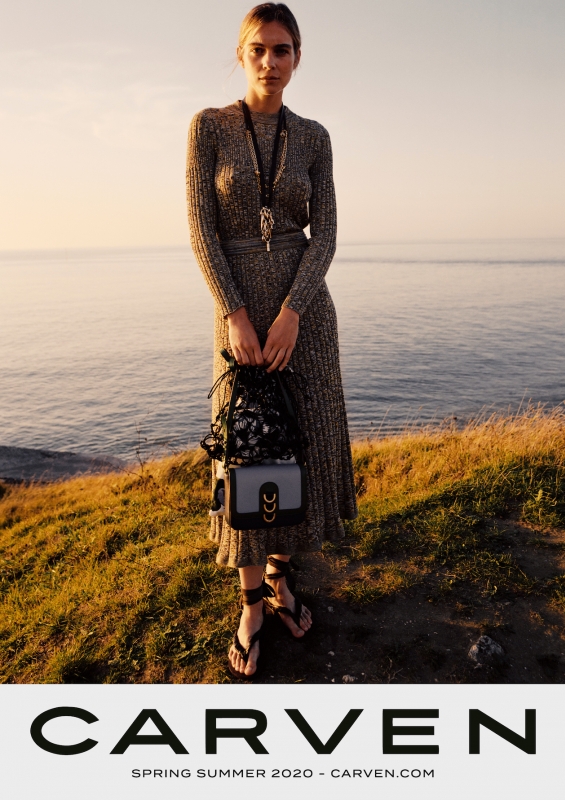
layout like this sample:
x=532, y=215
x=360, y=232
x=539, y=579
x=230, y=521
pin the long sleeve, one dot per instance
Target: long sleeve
x=202, y=214
x=323, y=228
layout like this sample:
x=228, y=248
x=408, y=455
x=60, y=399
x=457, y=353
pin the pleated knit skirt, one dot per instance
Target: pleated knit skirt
x=263, y=280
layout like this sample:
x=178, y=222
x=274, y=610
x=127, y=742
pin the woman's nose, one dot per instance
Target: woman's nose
x=269, y=60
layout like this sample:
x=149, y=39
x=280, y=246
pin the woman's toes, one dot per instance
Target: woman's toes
x=240, y=665
x=236, y=660
x=305, y=619
x=251, y=667
x=294, y=629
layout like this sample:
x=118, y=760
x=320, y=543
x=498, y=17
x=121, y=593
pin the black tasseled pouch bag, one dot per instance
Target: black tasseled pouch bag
x=257, y=439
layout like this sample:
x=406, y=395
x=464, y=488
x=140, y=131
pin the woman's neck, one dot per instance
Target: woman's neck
x=264, y=104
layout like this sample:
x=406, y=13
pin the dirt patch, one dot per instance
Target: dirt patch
x=422, y=633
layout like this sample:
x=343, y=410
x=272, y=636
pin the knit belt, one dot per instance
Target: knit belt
x=281, y=241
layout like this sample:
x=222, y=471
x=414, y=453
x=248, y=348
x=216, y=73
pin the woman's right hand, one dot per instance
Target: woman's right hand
x=243, y=339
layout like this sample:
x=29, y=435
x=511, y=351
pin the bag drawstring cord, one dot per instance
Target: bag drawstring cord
x=219, y=382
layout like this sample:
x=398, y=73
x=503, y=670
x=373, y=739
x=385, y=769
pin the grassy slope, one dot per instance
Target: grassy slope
x=112, y=578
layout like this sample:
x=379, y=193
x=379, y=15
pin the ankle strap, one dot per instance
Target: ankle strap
x=251, y=596
x=283, y=567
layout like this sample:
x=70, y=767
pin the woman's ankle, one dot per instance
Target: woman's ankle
x=278, y=585
x=253, y=610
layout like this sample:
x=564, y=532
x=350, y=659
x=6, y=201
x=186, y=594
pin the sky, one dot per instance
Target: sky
x=447, y=117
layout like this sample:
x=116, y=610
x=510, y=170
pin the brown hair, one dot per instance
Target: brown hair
x=270, y=12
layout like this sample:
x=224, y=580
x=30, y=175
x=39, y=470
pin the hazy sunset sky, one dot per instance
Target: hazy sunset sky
x=447, y=117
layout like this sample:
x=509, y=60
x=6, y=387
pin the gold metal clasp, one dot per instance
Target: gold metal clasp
x=269, y=506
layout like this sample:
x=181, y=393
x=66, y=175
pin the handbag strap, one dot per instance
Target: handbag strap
x=227, y=420
x=288, y=404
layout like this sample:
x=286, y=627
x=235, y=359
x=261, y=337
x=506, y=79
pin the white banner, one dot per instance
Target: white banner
x=280, y=741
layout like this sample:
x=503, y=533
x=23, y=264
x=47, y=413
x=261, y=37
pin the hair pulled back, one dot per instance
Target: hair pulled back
x=270, y=12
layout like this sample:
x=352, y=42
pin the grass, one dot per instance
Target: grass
x=438, y=498
x=112, y=578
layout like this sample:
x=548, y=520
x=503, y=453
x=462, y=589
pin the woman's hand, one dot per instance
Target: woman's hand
x=243, y=339
x=281, y=339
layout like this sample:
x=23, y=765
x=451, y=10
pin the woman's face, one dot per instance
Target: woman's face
x=268, y=58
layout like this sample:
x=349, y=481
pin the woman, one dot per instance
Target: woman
x=272, y=305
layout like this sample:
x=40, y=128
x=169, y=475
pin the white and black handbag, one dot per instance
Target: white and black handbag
x=259, y=447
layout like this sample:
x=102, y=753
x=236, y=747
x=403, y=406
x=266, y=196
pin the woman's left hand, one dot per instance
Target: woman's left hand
x=281, y=339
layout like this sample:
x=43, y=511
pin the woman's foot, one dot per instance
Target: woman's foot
x=251, y=621
x=284, y=598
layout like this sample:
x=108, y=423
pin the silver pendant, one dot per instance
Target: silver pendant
x=267, y=225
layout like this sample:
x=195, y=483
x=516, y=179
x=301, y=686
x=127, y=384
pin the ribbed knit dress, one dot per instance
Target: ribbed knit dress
x=223, y=206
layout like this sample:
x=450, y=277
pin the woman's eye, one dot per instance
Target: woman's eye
x=257, y=51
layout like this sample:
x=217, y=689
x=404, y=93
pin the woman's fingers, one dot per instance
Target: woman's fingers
x=277, y=355
x=240, y=355
x=250, y=354
x=281, y=339
x=243, y=339
x=273, y=356
x=274, y=345
x=257, y=354
x=246, y=351
x=278, y=360
x=269, y=352
x=286, y=359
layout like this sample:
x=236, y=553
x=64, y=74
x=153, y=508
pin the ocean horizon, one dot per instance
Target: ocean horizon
x=107, y=351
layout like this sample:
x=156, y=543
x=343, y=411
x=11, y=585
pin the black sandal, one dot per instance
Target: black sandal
x=283, y=568
x=248, y=597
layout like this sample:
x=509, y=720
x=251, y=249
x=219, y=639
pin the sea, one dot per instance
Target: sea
x=109, y=351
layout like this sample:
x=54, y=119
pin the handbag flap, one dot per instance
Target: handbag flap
x=246, y=483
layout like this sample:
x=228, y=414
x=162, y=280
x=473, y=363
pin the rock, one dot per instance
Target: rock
x=485, y=651
x=25, y=464
x=348, y=679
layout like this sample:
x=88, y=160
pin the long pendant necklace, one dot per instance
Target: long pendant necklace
x=266, y=190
